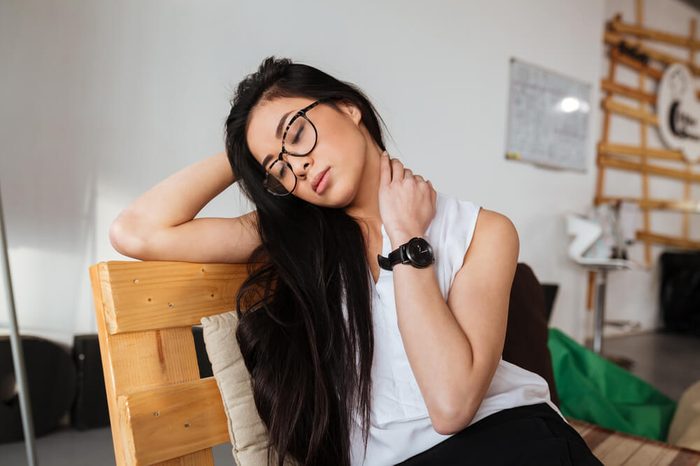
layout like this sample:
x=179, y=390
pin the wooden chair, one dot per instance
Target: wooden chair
x=160, y=411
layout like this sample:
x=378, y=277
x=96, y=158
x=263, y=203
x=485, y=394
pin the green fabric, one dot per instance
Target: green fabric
x=596, y=390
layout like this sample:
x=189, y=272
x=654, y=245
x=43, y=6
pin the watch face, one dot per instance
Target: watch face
x=420, y=252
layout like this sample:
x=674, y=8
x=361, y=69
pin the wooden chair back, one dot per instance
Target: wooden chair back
x=160, y=411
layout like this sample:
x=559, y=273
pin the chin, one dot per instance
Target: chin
x=346, y=197
x=335, y=197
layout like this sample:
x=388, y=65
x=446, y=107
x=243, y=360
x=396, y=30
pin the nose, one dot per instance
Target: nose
x=300, y=166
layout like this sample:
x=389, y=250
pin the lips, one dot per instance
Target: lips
x=318, y=178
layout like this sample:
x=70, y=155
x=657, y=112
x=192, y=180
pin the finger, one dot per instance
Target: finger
x=396, y=169
x=384, y=169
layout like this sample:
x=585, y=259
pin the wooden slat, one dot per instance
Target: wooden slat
x=173, y=420
x=158, y=294
x=668, y=240
x=594, y=436
x=600, y=178
x=613, y=38
x=163, y=357
x=624, y=149
x=614, y=162
x=648, y=453
x=590, y=295
x=616, y=449
x=643, y=32
x=630, y=62
x=106, y=357
x=654, y=204
x=634, y=113
x=622, y=449
x=646, y=219
x=686, y=186
x=627, y=91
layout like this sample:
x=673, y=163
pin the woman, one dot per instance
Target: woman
x=356, y=358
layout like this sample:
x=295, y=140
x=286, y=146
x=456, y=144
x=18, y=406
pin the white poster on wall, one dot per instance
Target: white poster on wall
x=679, y=112
x=548, y=117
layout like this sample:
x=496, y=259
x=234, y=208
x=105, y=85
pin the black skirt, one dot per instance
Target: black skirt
x=533, y=435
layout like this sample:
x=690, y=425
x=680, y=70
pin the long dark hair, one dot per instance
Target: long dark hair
x=310, y=363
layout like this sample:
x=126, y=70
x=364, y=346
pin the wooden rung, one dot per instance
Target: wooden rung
x=614, y=39
x=615, y=162
x=590, y=295
x=172, y=421
x=647, y=33
x=654, y=204
x=154, y=295
x=627, y=91
x=611, y=105
x=650, y=71
x=636, y=64
x=624, y=149
x=668, y=240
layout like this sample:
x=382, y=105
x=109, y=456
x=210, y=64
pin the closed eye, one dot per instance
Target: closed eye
x=298, y=136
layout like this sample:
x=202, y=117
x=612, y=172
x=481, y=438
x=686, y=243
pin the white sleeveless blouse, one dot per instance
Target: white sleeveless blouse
x=400, y=426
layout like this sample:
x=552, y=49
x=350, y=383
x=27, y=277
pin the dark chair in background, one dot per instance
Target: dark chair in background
x=528, y=321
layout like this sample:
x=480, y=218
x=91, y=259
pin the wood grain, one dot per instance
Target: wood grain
x=145, y=312
x=617, y=448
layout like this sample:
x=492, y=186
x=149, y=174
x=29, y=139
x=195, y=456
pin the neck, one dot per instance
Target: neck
x=365, y=206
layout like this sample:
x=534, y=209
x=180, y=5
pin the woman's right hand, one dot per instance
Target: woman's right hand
x=407, y=202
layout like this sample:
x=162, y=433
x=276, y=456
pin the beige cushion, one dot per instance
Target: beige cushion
x=685, y=427
x=246, y=430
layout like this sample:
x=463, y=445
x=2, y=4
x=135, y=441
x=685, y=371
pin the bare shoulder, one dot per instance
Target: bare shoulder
x=494, y=235
x=494, y=222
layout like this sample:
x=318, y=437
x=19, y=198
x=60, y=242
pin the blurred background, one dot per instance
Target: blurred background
x=101, y=100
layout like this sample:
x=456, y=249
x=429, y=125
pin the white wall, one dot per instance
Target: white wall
x=101, y=100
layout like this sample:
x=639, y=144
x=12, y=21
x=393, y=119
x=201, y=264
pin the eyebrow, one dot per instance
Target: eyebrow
x=278, y=133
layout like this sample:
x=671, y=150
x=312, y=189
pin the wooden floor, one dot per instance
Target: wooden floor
x=616, y=448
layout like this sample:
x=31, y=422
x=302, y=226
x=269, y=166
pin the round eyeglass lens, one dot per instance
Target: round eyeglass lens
x=280, y=179
x=301, y=137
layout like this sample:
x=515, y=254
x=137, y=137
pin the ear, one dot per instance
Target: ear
x=351, y=110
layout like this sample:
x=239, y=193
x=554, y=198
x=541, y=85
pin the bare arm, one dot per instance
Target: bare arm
x=160, y=224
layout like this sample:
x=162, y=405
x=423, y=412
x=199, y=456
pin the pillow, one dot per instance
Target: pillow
x=246, y=430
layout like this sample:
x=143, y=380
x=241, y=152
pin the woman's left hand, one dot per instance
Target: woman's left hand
x=406, y=201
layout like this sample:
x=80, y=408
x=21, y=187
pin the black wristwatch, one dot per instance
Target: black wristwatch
x=417, y=252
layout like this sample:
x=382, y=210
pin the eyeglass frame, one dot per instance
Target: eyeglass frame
x=300, y=113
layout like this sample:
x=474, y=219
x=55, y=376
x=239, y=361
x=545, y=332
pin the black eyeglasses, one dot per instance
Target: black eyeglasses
x=280, y=179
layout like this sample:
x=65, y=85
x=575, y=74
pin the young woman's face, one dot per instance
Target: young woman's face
x=341, y=145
